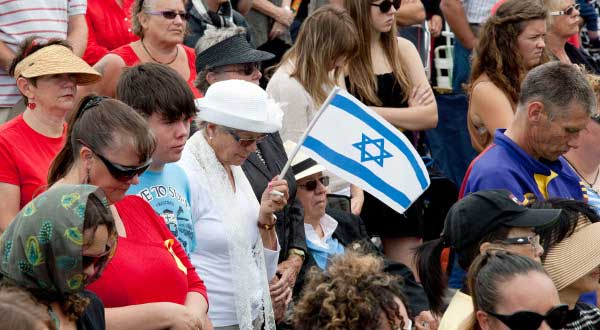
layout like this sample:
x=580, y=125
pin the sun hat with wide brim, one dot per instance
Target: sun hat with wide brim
x=302, y=165
x=56, y=59
x=575, y=256
x=233, y=50
x=240, y=105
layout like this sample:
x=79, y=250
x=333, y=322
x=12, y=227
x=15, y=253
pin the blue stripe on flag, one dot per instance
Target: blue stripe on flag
x=352, y=108
x=357, y=169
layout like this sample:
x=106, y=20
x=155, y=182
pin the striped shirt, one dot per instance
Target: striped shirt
x=20, y=19
x=478, y=11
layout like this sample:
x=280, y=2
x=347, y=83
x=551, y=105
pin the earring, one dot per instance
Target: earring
x=31, y=106
x=86, y=179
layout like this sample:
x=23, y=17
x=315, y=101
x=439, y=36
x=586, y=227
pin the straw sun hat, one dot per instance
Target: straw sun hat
x=575, y=256
x=56, y=59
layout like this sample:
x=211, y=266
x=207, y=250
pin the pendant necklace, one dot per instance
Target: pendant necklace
x=157, y=61
x=590, y=185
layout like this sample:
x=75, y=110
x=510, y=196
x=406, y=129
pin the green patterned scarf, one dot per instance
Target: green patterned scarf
x=41, y=250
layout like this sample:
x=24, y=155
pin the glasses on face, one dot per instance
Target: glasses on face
x=557, y=318
x=87, y=261
x=169, y=14
x=533, y=240
x=312, y=184
x=386, y=5
x=247, y=68
x=120, y=172
x=245, y=142
x=566, y=12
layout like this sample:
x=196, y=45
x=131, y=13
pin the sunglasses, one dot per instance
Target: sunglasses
x=169, y=14
x=566, y=12
x=87, y=261
x=386, y=5
x=312, y=184
x=246, y=142
x=120, y=172
x=557, y=318
x=247, y=69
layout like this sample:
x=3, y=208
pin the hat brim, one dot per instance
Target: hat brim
x=246, y=56
x=308, y=172
x=536, y=218
x=208, y=113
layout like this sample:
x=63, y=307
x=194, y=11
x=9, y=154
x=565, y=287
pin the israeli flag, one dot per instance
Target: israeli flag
x=359, y=146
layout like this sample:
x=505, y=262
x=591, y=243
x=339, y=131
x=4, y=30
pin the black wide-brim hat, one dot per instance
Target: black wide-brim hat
x=233, y=50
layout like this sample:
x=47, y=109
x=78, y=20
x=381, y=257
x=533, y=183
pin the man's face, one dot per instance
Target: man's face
x=553, y=137
x=247, y=71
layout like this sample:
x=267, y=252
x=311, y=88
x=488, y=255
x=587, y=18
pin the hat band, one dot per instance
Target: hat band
x=304, y=165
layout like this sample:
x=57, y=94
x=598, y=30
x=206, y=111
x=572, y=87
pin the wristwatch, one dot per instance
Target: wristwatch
x=298, y=252
x=268, y=226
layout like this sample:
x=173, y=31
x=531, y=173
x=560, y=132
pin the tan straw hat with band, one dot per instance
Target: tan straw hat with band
x=575, y=256
x=56, y=59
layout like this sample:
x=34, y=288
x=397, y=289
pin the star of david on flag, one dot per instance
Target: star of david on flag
x=359, y=146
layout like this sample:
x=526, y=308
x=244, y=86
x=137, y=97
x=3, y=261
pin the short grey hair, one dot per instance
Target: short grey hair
x=211, y=37
x=557, y=85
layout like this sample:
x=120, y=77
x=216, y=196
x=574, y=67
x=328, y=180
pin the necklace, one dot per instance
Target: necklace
x=157, y=61
x=590, y=185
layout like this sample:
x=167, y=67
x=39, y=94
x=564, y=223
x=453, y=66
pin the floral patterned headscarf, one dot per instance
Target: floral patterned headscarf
x=41, y=250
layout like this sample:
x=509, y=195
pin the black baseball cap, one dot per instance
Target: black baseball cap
x=482, y=212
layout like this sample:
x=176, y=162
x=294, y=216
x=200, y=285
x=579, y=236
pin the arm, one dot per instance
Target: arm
x=152, y=316
x=198, y=305
x=9, y=203
x=77, y=34
x=110, y=67
x=491, y=106
x=455, y=15
x=6, y=56
x=357, y=199
x=410, y=12
x=279, y=14
x=422, y=111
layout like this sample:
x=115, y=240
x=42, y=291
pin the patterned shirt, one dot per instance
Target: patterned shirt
x=589, y=318
x=477, y=10
x=20, y=19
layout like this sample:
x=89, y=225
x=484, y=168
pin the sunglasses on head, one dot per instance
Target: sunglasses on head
x=247, y=68
x=386, y=5
x=120, y=172
x=567, y=12
x=245, y=142
x=169, y=14
x=312, y=184
x=557, y=318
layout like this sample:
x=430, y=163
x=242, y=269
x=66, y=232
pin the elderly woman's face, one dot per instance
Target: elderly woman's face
x=314, y=200
x=158, y=27
x=566, y=25
x=232, y=147
x=52, y=92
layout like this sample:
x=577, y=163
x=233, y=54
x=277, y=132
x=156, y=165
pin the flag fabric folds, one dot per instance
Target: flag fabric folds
x=359, y=146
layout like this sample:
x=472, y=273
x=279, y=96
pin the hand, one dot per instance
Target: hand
x=206, y=323
x=277, y=30
x=273, y=199
x=435, y=25
x=289, y=270
x=285, y=17
x=421, y=95
x=280, y=306
x=184, y=318
x=426, y=321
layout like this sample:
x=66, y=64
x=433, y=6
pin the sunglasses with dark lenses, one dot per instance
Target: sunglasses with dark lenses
x=245, y=142
x=567, y=12
x=312, y=184
x=99, y=260
x=557, y=318
x=386, y=5
x=120, y=172
x=247, y=68
x=169, y=14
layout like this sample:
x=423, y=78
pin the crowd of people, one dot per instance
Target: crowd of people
x=143, y=144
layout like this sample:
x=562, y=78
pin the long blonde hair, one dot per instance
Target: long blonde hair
x=325, y=36
x=360, y=68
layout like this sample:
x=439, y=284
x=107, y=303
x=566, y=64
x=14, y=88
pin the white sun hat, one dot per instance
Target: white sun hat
x=240, y=105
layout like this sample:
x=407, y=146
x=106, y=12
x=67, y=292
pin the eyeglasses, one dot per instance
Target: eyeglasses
x=566, y=12
x=312, y=184
x=87, y=261
x=557, y=318
x=596, y=117
x=245, y=142
x=169, y=14
x=386, y=5
x=120, y=172
x=247, y=69
x=533, y=240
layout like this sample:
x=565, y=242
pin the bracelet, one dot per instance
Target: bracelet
x=297, y=252
x=266, y=226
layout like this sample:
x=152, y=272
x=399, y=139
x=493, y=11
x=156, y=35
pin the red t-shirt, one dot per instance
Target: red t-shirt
x=130, y=57
x=25, y=157
x=143, y=270
x=109, y=27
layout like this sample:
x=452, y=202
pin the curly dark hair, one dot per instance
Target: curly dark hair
x=351, y=294
x=497, y=54
x=19, y=310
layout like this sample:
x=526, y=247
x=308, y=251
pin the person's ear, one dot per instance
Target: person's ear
x=484, y=247
x=86, y=156
x=25, y=87
x=211, y=77
x=483, y=319
x=536, y=112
